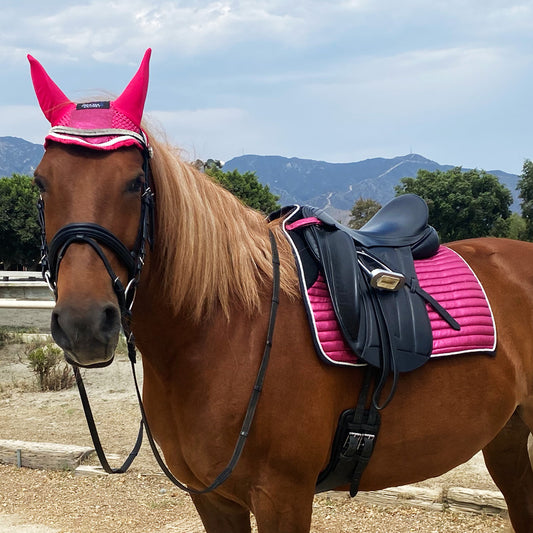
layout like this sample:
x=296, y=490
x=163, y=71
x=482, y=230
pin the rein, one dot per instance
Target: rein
x=252, y=403
x=95, y=235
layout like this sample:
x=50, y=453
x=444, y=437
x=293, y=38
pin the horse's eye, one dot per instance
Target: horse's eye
x=136, y=185
x=39, y=183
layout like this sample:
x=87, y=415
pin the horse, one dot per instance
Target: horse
x=200, y=317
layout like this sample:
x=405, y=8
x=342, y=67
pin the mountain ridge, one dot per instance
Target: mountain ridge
x=337, y=186
x=18, y=156
x=334, y=187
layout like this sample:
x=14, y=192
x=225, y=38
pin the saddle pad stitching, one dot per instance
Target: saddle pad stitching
x=436, y=325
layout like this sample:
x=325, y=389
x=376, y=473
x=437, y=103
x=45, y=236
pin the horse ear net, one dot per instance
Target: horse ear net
x=50, y=97
x=131, y=101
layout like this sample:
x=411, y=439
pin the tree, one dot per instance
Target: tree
x=362, y=211
x=525, y=186
x=246, y=187
x=461, y=204
x=19, y=229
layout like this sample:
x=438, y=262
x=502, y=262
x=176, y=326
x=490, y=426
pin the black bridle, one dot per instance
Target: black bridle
x=97, y=236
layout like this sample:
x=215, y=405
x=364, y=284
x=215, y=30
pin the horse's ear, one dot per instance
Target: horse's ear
x=51, y=98
x=131, y=101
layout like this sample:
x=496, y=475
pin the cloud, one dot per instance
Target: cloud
x=218, y=133
x=110, y=31
x=420, y=80
x=25, y=121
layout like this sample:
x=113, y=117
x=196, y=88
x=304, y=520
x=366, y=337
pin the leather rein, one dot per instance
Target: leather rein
x=95, y=236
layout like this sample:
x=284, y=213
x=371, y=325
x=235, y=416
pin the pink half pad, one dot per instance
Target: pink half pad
x=445, y=276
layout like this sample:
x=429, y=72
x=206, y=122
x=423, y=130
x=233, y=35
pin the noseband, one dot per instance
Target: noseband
x=97, y=236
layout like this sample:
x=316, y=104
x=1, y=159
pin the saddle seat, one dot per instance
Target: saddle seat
x=401, y=222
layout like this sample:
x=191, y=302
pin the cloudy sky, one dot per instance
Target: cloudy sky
x=335, y=80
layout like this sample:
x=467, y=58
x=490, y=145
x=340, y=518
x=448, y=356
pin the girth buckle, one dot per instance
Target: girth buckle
x=355, y=443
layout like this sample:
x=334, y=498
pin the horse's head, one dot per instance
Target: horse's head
x=95, y=211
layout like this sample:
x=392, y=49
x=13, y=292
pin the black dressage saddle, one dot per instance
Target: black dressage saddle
x=370, y=273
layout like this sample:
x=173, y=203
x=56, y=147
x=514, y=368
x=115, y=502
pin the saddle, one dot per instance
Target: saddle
x=371, y=278
x=378, y=304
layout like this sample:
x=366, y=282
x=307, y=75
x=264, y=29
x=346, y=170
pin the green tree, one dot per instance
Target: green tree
x=19, y=230
x=461, y=204
x=246, y=187
x=525, y=188
x=362, y=211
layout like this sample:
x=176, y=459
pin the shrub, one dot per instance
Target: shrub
x=52, y=372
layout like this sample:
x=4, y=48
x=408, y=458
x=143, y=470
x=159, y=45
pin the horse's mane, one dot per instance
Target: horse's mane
x=211, y=251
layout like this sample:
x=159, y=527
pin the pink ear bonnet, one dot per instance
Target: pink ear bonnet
x=102, y=125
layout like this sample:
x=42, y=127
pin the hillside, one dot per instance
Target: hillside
x=18, y=156
x=336, y=186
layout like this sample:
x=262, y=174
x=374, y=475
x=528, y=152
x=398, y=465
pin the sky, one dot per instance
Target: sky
x=335, y=80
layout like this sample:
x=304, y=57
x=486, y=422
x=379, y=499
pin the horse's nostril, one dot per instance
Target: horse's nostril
x=88, y=335
x=110, y=320
x=59, y=335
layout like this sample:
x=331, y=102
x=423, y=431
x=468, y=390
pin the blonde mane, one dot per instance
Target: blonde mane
x=211, y=250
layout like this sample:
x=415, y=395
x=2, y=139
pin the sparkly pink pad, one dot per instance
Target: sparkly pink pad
x=448, y=278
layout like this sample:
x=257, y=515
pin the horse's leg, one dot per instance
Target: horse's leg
x=220, y=515
x=507, y=460
x=286, y=510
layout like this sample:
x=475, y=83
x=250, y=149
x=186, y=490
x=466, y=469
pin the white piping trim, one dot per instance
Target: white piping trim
x=119, y=135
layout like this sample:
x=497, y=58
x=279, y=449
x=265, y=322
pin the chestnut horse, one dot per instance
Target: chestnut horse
x=200, y=319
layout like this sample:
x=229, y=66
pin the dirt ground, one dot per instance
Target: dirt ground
x=143, y=500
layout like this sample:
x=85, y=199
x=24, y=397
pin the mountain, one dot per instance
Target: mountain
x=332, y=186
x=336, y=186
x=19, y=156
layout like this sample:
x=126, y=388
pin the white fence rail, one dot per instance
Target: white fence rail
x=24, y=290
x=13, y=303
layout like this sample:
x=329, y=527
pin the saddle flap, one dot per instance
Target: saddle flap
x=342, y=275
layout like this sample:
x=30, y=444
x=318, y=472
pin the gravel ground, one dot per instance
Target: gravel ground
x=34, y=319
x=143, y=500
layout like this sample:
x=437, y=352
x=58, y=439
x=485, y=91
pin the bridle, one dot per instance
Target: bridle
x=97, y=236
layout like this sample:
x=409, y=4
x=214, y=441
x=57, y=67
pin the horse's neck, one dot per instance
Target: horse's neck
x=173, y=345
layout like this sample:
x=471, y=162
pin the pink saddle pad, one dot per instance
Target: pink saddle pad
x=449, y=279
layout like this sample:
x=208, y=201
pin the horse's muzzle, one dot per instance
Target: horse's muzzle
x=88, y=335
